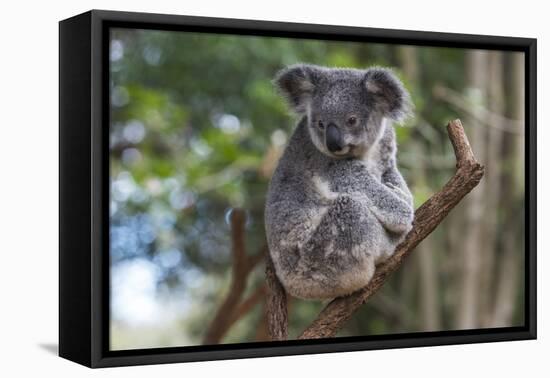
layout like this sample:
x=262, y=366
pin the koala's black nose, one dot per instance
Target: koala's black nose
x=333, y=138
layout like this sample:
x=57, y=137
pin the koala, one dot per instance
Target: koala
x=337, y=205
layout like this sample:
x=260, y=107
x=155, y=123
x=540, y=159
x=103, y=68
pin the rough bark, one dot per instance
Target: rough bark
x=331, y=319
x=277, y=309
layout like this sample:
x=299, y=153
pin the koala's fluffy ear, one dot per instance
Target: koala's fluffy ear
x=297, y=84
x=387, y=94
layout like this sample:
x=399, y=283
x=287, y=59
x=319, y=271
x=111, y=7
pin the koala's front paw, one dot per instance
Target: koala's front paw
x=400, y=192
x=408, y=225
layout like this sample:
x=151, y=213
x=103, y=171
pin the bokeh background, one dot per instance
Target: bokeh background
x=196, y=130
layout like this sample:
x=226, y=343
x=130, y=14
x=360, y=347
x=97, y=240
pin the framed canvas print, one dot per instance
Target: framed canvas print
x=233, y=188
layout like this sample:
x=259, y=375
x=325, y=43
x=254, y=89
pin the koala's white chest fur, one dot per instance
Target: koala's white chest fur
x=323, y=188
x=373, y=157
x=372, y=161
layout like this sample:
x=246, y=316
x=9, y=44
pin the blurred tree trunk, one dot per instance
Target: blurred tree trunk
x=428, y=292
x=451, y=265
x=408, y=61
x=517, y=111
x=407, y=295
x=468, y=304
x=508, y=283
x=261, y=328
x=493, y=164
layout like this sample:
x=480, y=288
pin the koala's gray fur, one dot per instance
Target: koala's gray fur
x=332, y=215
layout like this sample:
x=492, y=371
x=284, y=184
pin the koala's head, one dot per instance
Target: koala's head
x=345, y=108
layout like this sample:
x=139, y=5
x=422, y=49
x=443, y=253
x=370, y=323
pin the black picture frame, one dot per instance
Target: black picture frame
x=83, y=195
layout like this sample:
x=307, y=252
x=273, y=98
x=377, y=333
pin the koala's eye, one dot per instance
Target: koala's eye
x=321, y=124
x=352, y=120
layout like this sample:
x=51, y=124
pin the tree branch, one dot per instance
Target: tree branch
x=247, y=304
x=276, y=306
x=427, y=217
x=242, y=264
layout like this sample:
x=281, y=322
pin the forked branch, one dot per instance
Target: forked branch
x=427, y=217
x=234, y=307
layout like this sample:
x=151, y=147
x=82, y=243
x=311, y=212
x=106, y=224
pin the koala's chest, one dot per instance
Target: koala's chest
x=347, y=177
x=373, y=167
x=373, y=162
